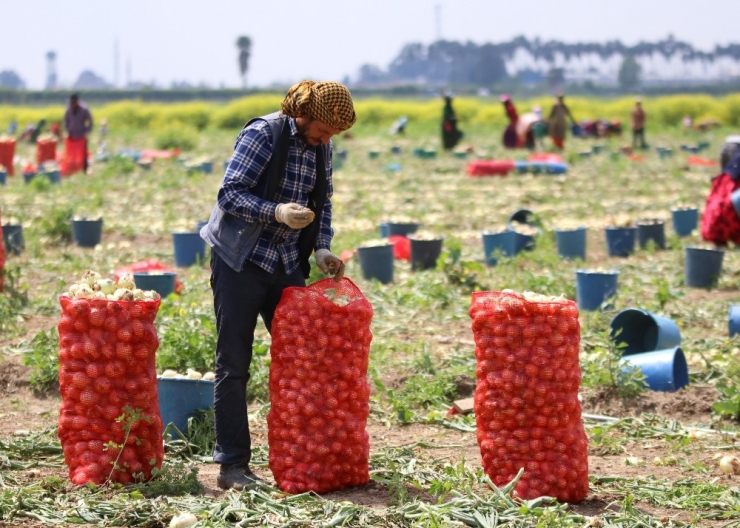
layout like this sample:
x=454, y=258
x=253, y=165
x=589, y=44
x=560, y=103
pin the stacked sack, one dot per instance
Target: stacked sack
x=109, y=422
x=526, y=399
x=319, y=393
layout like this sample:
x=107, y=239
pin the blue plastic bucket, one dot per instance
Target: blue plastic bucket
x=87, y=233
x=402, y=228
x=523, y=241
x=383, y=228
x=505, y=241
x=665, y=370
x=571, y=243
x=3, y=177
x=190, y=249
x=200, y=225
x=521, y=166
x=162, y=282
x=28, y=176
x=702, y=267
x=13, y=238
x=653, y=229
x=373, y=154
x=180, y=398
x=733, y=320
x=206, y=167
x=527, y=217
x=376, y=262
x=642, y=331
x=597, y=149
x=620, y=241
x=424, y=253
x=54, y=176
x=594, y=288
x=395, y=149
x=341, y=154
x=684, y=220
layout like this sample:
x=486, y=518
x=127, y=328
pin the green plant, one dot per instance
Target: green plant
x=664, y=293
x=12, y=301
x=57, y=224
x=129, y=418
x=459, y=272
x=42, y=356
x=179, y=136
x=187, y=338
x=605, y=367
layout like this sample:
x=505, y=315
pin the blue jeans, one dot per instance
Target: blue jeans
x=238, y=298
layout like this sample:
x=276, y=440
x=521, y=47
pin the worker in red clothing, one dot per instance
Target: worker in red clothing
x=78, y=123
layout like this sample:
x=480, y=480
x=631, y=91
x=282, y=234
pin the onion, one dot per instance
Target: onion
x=138, y=294
x=183, y=520
x=99, y=295
x=729, y=465
x=169, y=373
x=90, y=277
x=209, y=376
x=107, y=286
x=127, y=282
x=84, y=292
x=194, y=374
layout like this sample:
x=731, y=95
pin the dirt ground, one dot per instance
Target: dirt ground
x=23, y=411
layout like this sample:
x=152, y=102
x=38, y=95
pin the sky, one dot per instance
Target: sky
x=194, y=41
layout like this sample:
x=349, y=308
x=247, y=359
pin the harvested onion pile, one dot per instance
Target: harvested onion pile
x=93, y=286
x=526, y=398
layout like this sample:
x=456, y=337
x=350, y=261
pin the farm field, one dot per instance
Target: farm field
x=655, y=465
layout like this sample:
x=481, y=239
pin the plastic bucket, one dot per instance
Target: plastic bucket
x=652, y=230
x=642, y=331
x=620, y=241
x=395, y=149
x=571, y=243
x=376, y=262
x=524, y=216
x=403, y=229
x=504, y=241
x=373, y=154
x=664, y=370
x=523, y=242
x=162, y=282
x=684, y=220
x=28, y=176
x=424, y=253
x=200, y=225
x=735, y=199
x=180, y=398
x=87, y=233
x=383, y=228
x=594, y=288
x=596, y=149
x=702, y=267
x=13, y=238
x=733, y=320
x=54, y=176
x=206, y=167
x=190, y=249
x=3, y=177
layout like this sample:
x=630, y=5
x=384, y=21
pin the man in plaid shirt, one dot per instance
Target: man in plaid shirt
x=256, y=245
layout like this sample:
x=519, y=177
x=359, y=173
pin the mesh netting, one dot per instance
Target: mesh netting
x=46, y=150
x=526, y=397
x=319, y=393
x=106, y=365
x=7, y=153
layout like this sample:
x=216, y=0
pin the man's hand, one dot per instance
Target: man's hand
x=293, y=215
x=329, y=264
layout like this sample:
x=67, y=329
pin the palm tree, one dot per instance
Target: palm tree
x=244, y=44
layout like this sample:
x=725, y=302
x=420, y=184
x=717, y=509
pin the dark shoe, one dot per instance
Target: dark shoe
x=238, y=477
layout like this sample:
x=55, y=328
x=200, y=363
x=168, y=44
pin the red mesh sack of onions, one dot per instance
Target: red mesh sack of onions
x=319, y=392
x=526, y=398
x=107, y=342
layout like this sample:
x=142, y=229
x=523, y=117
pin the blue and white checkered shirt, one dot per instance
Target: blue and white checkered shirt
x=252, y=153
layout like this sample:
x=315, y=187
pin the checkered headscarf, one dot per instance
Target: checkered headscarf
x=329, y=102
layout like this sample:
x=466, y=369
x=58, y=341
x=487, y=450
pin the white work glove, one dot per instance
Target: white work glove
x=329, y=264
x=293, y=215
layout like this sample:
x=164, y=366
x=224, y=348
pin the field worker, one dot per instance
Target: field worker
x=556, y=122
x=638, y=125
x=78, y=123
x=261, y=242
x=450, y=133
x=720, y=221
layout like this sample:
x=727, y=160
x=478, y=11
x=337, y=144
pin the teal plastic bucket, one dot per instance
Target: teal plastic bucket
x=383, y=228
x=13, y=238
x=3, y=177
x=620, y=241
x=190, y=249
x=376, y=262
x=87, y=233
x=595, y=288
x=402, y=228
x=642, y=331
x=28, y=176
x=424, y=253
x=684, y=221
x=395, y=149
x=597, y=149
x=504, y=241
x=571, y=243
x=162, y=282
x=652, y=229
x=180, y=398
x=702, y=267
x=54, y=176
x=733, y=320
x=665, y=370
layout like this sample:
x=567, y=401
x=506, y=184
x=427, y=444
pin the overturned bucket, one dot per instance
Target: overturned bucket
x=180, y=398
x=733, y=320
x=664, y=370
x=642, y=331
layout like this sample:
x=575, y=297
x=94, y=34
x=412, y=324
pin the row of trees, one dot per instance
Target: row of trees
x=456, y=63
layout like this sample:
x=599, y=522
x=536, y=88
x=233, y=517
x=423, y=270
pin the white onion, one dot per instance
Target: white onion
x=90, y=277
x=169, y=373
x=729, y=465
x=107, y=286
x=209, y=376
x=183, y=520
x=194, y=374
x=84, y=292
x=127, y=282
